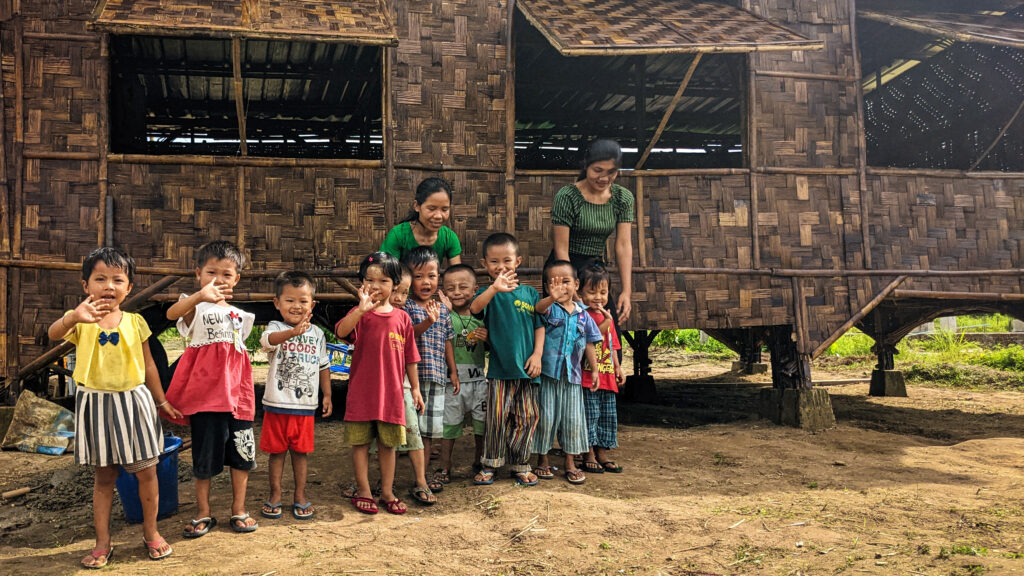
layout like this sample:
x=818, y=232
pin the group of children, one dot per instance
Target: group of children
x=425, y=362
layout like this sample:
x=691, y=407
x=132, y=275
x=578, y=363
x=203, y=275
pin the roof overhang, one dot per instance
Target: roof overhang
x=364, y=22
x=981, y=28
x=638, y=27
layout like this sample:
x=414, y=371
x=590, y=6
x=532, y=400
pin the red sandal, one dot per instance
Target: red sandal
x=393, y=506
x=371, y=509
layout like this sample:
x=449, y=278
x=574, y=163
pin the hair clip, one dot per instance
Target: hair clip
x=369, y=258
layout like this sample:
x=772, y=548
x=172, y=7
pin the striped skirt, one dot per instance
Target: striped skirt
x=116, y=427
x=562, y=415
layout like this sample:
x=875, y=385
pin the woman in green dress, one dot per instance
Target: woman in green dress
x=587, y=212
x=425, y=224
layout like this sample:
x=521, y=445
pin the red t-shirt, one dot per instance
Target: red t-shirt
x=604, y=357
x=384, y=344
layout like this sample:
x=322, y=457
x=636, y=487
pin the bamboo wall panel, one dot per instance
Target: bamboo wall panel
x=448, y=83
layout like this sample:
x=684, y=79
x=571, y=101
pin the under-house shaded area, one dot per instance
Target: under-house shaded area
x=943, y=84
x=300, y=99
x=563, y=102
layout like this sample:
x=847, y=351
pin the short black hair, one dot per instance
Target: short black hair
x=295, y=279
x=460, y=268
x=112, y=257
x=555, y=264
x=500, y=239
x=387, y=263
x=593, y=274
x=419, y=256
x=219, y=250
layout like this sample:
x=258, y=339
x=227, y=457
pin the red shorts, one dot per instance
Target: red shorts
x=283, y=432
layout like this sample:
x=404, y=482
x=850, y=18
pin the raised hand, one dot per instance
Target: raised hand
x=433, y=308
x=559, y=288
x=304, y=325
x=366, y=302
x=215, y=292
x=601, y=309
x=506, y=281
x=444, y=299
x=90, y=311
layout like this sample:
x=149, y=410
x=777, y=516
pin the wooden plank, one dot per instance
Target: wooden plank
x=210, y=160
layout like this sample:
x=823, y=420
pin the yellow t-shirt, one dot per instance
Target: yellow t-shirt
x=110, y=366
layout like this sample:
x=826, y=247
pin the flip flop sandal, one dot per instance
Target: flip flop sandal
x=488, y=478
x=195, y=532
x=96, y=554
x=243, y=528
x=155, y=546
x=593, y=467
x=543, y=472
x=351, y=491
x=521, y=479
x=443, y=476
x=610, y=466
x=422, y=495
x=371, y=509
x=434, y=485
x=477, y=467
x=297, y=508
x=392, y=506
x=272, y=506
x=575, y=476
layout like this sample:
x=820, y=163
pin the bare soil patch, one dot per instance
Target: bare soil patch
x=930, y=484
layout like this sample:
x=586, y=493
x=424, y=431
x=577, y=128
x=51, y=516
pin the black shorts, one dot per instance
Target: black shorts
x=220, y=440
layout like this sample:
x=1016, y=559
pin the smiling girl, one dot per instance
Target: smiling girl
x=425, y=224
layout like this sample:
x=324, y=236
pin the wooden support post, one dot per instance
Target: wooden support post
x=240, y=206
x=640, y=77
x=388, y=144
x=668, y=111
x=641, y=230
x=103, y=238
x=750, y=147
x=19, y=133
x=510, y=128
x=239, y=89
x=864, y=311
x=800, y=317
x=862, y=145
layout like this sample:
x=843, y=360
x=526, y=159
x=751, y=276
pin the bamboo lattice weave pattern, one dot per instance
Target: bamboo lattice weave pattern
x=356, y=21
x=579, y=27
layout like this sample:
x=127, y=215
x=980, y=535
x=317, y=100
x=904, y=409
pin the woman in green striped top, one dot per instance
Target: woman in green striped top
x=585, y=214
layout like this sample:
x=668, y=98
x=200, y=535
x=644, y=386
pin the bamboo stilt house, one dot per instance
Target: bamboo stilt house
x=800, y=166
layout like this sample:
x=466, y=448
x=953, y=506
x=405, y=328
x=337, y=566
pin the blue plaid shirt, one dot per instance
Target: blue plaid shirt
x=432, y=366
x=565, y=337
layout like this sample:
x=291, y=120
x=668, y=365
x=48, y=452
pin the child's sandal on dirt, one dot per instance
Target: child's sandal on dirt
x=575, y=476
x=245, y=527
x=153, y=549
x=443, y=476
x=610, y=466
x=523, y=479
x=368, y=505
x=93, y=560
x=543, y=472
x=422, y=495
x=395, y=506
x=593, y=467
x=303, y=511
x=195, y=532
x=271, y=510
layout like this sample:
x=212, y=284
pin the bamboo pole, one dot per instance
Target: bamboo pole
x=641, y=230
x=240, y=206
x=806, y=76
x=388, y=145
x=19, y=132
x=63, y=348
x=862, y=144
x=939, y=295
x=263, y=297
x=103, y=141
x=800, y=316
x=61, y=37
x=239, y=88
x=937, y=173
x=450, y=168
x=510, y=128
x=5, y=193
x=807, y=171
x=61, y=155
x=347, y=286
x=864, y=311
x=262, y=161
x=628, y=172
x=752, y=161
x=351, y=35
x=999, y=137
x=668, y=111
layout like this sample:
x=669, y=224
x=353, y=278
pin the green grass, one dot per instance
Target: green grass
x=853, y=343
x=690, y=340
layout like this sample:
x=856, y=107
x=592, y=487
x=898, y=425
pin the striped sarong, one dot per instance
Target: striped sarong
x=116, y=427
x=562, y=414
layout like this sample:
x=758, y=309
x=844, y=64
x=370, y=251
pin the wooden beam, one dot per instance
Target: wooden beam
x=19, y=133
x=864, y=311
x=629, y=173
x=240, y=206
x=388, y=143
x=806, y=76
x=750, y=151
x=239, y=88
x=999, y=137
x=103, y=141
x=211, y=160
x=510, y=128
x=940, y=295
x=668, y=111
x=641, y=230
x=862, y=144
x=940, y=173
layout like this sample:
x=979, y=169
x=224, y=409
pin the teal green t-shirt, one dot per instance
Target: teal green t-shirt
x=510, y=322
x=470, y=353
x=401, y=240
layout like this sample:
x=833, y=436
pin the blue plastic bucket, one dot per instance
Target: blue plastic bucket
x=167, y=478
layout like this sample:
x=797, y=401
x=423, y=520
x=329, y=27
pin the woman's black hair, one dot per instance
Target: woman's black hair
x=387, y=263
x=555, y=264
x=593, y=274
x=427, y=188
x=419, y=256
x=113, y=258
x=600, y=150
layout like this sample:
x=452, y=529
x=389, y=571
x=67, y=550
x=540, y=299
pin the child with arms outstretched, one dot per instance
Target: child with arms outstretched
x=385, y=349
x=299, y=367
x=118, y=399
x=213, y=386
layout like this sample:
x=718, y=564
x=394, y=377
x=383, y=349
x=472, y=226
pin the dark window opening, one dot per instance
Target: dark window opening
x=931, y=102
x=301, y=99
x=562, y=103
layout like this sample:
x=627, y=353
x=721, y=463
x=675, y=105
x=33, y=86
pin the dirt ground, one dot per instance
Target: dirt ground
x=930, y=484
